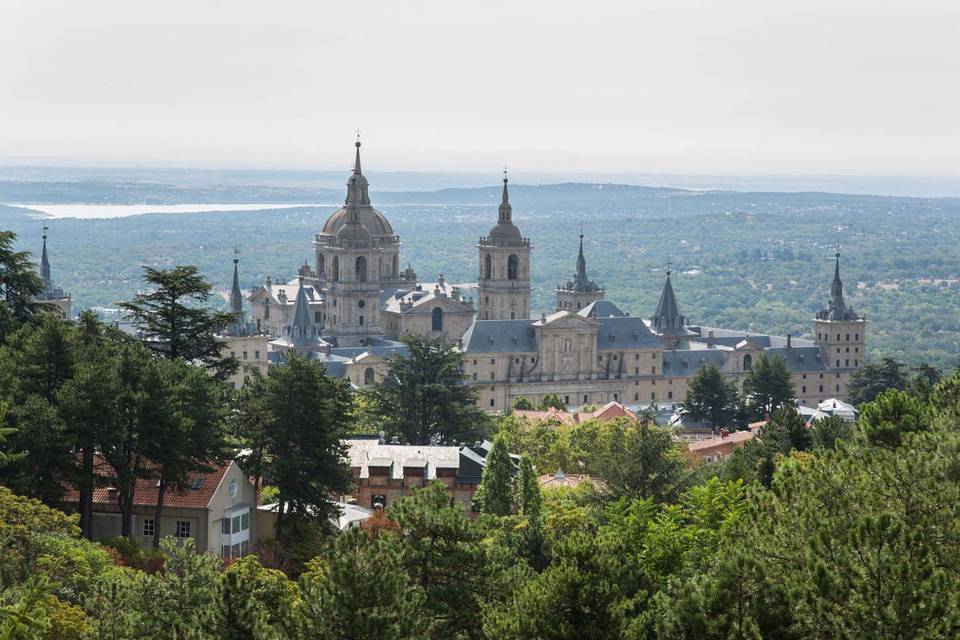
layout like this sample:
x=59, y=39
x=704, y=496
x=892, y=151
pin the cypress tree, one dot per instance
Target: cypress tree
x=495, y=493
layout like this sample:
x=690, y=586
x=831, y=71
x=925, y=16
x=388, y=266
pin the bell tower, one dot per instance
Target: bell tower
x=841, y=335
x=503, y=275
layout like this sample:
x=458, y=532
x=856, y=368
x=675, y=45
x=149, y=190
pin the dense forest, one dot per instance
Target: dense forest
x=752, y=261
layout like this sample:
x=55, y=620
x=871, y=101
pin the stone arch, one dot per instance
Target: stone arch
x=747, y=362
x=368, y=378
x=513, y=267
x=360, y=270
x=437, y=319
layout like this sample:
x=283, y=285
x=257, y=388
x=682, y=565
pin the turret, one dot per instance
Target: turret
x=503, y=278
x=581, y=291
x=841, y=335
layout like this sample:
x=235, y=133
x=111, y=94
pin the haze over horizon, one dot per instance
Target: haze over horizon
x=662, y=87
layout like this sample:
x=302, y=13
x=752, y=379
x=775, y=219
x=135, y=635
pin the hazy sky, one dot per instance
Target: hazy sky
x=713, y=86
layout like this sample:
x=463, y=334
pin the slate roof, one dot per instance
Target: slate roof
x=731, y=337
x=601, y=309
x=685, y=363
x=500, y=336
x=625, y=333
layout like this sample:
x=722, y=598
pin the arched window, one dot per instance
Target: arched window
x=336, y=268
x=437, y=319
x=321, y=265
x=567, y=344
x=368, y=376
x=747, y=362
x=513, y=266
x=361, y=269
x=266, y=309
x=487, y=267
x=396, y=266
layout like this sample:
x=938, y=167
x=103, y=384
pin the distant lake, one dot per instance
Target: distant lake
x=91, y=211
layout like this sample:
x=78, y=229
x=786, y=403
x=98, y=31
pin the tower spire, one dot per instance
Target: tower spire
x=357, y=186
x=506, y=211
x=45, y=262
x=581, y=261
x=236, y=296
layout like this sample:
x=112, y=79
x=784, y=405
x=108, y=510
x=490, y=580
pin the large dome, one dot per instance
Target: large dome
x=369, y=218
x=506, y=231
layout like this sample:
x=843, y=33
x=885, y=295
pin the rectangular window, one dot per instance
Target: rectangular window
x=491, y=375
x=636, y=397
x=235, y=524
x=848, y=337
x=225, y=551
x=256, y=355
x=669, y=395
x=585, y=399
x=566, y=399
x=821, y=388
x=149, y=527
x=838, y=364
x=244, y=355
x=803, y=389
x=615, y=398
x=638, y=356
x=491, y=402
x=225, y=526
x=361, y=321
x=653, y=396
x=653, y=370
x=637, y=371
x=316, y=316
x=474, y=376
x=245, y=521
x=183, y=528
x=838, y=388
x=493, y=361
x=856, y=337
x=847, y=363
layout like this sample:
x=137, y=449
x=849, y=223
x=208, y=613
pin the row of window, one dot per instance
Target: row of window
x=825, y=336
x=236, y=524
x=256, y=355
x=182, y=529
x=359, y=268
x=803, y=389
x=513, y=267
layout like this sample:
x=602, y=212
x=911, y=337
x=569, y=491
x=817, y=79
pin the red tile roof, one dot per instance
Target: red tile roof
x=609, y=411
x=555, y=480
x=145, y=491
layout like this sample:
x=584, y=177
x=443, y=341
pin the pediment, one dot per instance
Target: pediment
x=566, y=320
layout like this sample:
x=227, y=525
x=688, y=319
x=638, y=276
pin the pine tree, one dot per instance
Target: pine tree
x=712, y=398
x=19, y=285
x=175, y=323
x=423, y=398
x=495, y=493
x=768, y=386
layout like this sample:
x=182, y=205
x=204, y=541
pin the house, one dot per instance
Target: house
x=386, y=471
x=215, y=510
x=719, y=447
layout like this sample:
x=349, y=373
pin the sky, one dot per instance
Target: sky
x=845, y=87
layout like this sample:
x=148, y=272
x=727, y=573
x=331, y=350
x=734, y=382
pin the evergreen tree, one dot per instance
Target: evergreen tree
x=891, y=415
x=174, y=322
x=522, y=404
x=828, y=432
x=768, y=386
x=309, y=414
x=639, y=460
x=495, y=493
x=358, y=589
x=871, y=380
x=445, y=556
x=423, y=398
x=530, y=501
x=19, y=285
x=712, y=398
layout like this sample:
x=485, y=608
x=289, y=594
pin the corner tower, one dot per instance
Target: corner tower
x=581, y=291
x=840, y=332
x=503, y=276
x=357, y=255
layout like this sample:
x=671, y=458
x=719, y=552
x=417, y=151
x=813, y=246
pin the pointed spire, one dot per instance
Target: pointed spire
x=357, y=185
x=581, y=261
x=836, y=289
x=506, y=211
x=236, y=296
x=300, y=330
x=666, y=319
x=45, y=263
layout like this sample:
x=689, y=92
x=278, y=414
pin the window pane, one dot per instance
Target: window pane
x=236, y=524
x=225, y=526
x=245, y=522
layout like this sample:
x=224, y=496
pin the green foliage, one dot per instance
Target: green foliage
x=522, y=404
x=892, y=414
x=872, y=379
x=358, y=588
x=638, y=459
x=767, y=386
x=712, y=398
x=551, y=401
x=175, y=322
x=830, y=431
x=423, y=399
x=495, y=494
x=19, y=284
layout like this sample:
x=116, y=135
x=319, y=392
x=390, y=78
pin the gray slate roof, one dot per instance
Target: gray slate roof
x=625, y=332
x=601, y=309
x=500, y=336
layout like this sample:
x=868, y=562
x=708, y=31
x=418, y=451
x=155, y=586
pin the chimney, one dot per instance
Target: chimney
x=395, y=440
x=710, y=335
x=789, y=341
x=724, y=433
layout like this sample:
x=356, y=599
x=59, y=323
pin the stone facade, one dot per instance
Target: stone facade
x=503, y=269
